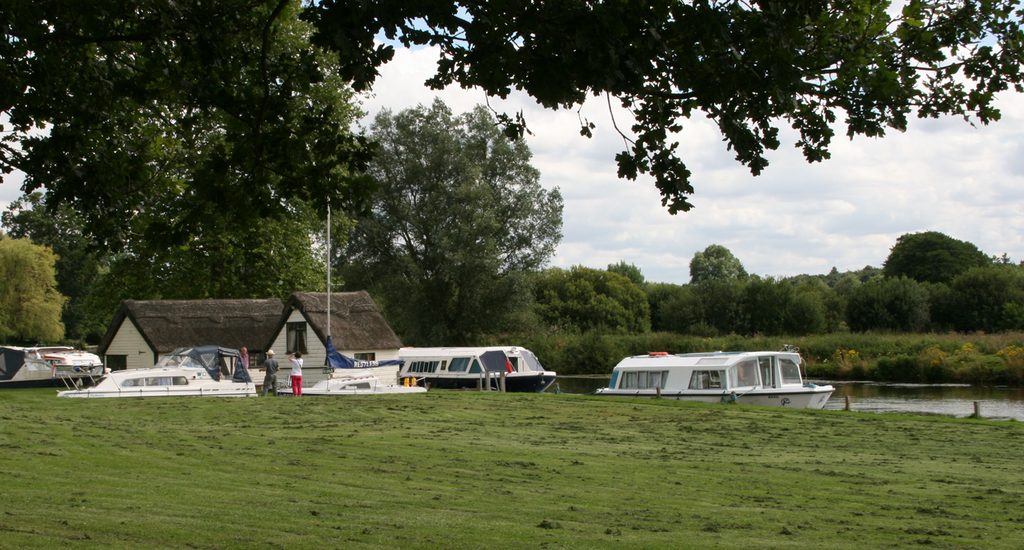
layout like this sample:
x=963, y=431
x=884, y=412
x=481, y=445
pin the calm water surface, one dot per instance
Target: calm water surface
x=945, y=399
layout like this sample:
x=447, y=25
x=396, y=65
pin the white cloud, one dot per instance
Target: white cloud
x=940, y=175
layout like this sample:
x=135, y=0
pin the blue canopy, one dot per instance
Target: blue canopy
x=214, y=359
x=335, y=360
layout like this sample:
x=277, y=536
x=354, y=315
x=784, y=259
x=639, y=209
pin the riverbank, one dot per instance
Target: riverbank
x=469, y=469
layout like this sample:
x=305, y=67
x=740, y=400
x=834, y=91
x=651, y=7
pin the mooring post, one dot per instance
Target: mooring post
x=847, y=403
x=501, y=382
x=657, y=392
x=977, y=409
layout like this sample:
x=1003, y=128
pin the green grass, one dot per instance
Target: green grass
x=487, y=470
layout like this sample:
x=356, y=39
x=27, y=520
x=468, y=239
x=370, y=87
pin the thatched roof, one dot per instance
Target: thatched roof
x=170, y=324
x=356, y=322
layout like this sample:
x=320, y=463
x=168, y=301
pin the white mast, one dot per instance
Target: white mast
x=328, y=267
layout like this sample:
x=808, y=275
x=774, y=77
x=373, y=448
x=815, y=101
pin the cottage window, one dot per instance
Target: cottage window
x=117, y=362
x=296, y=336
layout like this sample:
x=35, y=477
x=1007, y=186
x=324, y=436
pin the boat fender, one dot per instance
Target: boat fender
x=729, y=397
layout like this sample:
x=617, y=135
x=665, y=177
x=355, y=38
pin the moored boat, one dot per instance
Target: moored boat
x=476, y=367
x=47, y=366
x=358, y=384
x=770, y=378
x=203, y=371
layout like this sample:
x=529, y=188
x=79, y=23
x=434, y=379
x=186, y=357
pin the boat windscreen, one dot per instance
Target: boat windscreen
x=532, y=363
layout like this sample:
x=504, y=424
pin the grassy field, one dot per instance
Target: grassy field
x=488, y=470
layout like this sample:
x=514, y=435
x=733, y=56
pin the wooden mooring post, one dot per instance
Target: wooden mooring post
x=847, y=406
x=501, y=382
x=977, y=410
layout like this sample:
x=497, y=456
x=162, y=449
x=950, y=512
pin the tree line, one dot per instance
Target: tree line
x=929, y=282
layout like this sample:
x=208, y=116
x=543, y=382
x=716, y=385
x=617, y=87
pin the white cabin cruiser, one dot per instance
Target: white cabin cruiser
x=348, y=376
x=47, y=366
x=358, y=384
x=204, y=371
x=755, y=377
x=473, y=367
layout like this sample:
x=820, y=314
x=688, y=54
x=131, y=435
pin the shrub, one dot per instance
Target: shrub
x=903, y=368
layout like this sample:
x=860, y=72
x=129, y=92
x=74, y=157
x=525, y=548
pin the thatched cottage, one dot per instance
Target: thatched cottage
x=356, y=324
x=144, y=330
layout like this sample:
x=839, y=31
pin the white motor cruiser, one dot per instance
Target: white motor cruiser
x=752, y=377
x=204, y=371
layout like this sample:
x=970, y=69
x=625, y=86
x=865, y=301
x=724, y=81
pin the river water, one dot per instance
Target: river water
x=1000, y=403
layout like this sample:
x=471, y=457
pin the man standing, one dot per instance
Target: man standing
x=270, y=380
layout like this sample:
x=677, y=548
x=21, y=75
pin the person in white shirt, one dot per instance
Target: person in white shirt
x=296, y=376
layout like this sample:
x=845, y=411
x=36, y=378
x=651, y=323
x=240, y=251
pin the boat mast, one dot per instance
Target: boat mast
x=328, y=267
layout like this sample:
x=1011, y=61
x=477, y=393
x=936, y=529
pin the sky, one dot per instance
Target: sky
x=847, y=212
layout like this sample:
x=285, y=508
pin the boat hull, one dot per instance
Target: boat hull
x=804, y=398
x=516, y=382
x=246, y=390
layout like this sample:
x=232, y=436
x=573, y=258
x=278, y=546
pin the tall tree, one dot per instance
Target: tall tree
x=30, y=306
x=583, y=298
x=932, y=257
x=125, y=87
x=715, y=263
x=889, y=303
x=162, y=117
x=629, y=271
x=458, y=221
x=78, y=265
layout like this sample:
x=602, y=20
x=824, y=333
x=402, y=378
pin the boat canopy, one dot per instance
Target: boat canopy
x=214, y=359
x=336, y=360
x=11, y=360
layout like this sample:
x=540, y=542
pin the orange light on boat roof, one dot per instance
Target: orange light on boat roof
x=657, y=353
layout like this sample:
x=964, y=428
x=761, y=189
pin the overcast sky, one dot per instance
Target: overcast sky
x=941, y=175
x=847, y=212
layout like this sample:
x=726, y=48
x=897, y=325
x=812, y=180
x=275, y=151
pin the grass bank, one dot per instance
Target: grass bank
x=486, y=470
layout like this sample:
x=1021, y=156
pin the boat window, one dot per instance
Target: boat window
x=131, y=383
x=424, y=366
x=767, y=372
x=180, y=381
x=706, y=380
x=745, y=373
x=160, y=381
x=790, y=371
x=515, y=363
x=459, y=364
x=712, y=361
x=643, y=380
x=367, y=356
x=475, y=367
